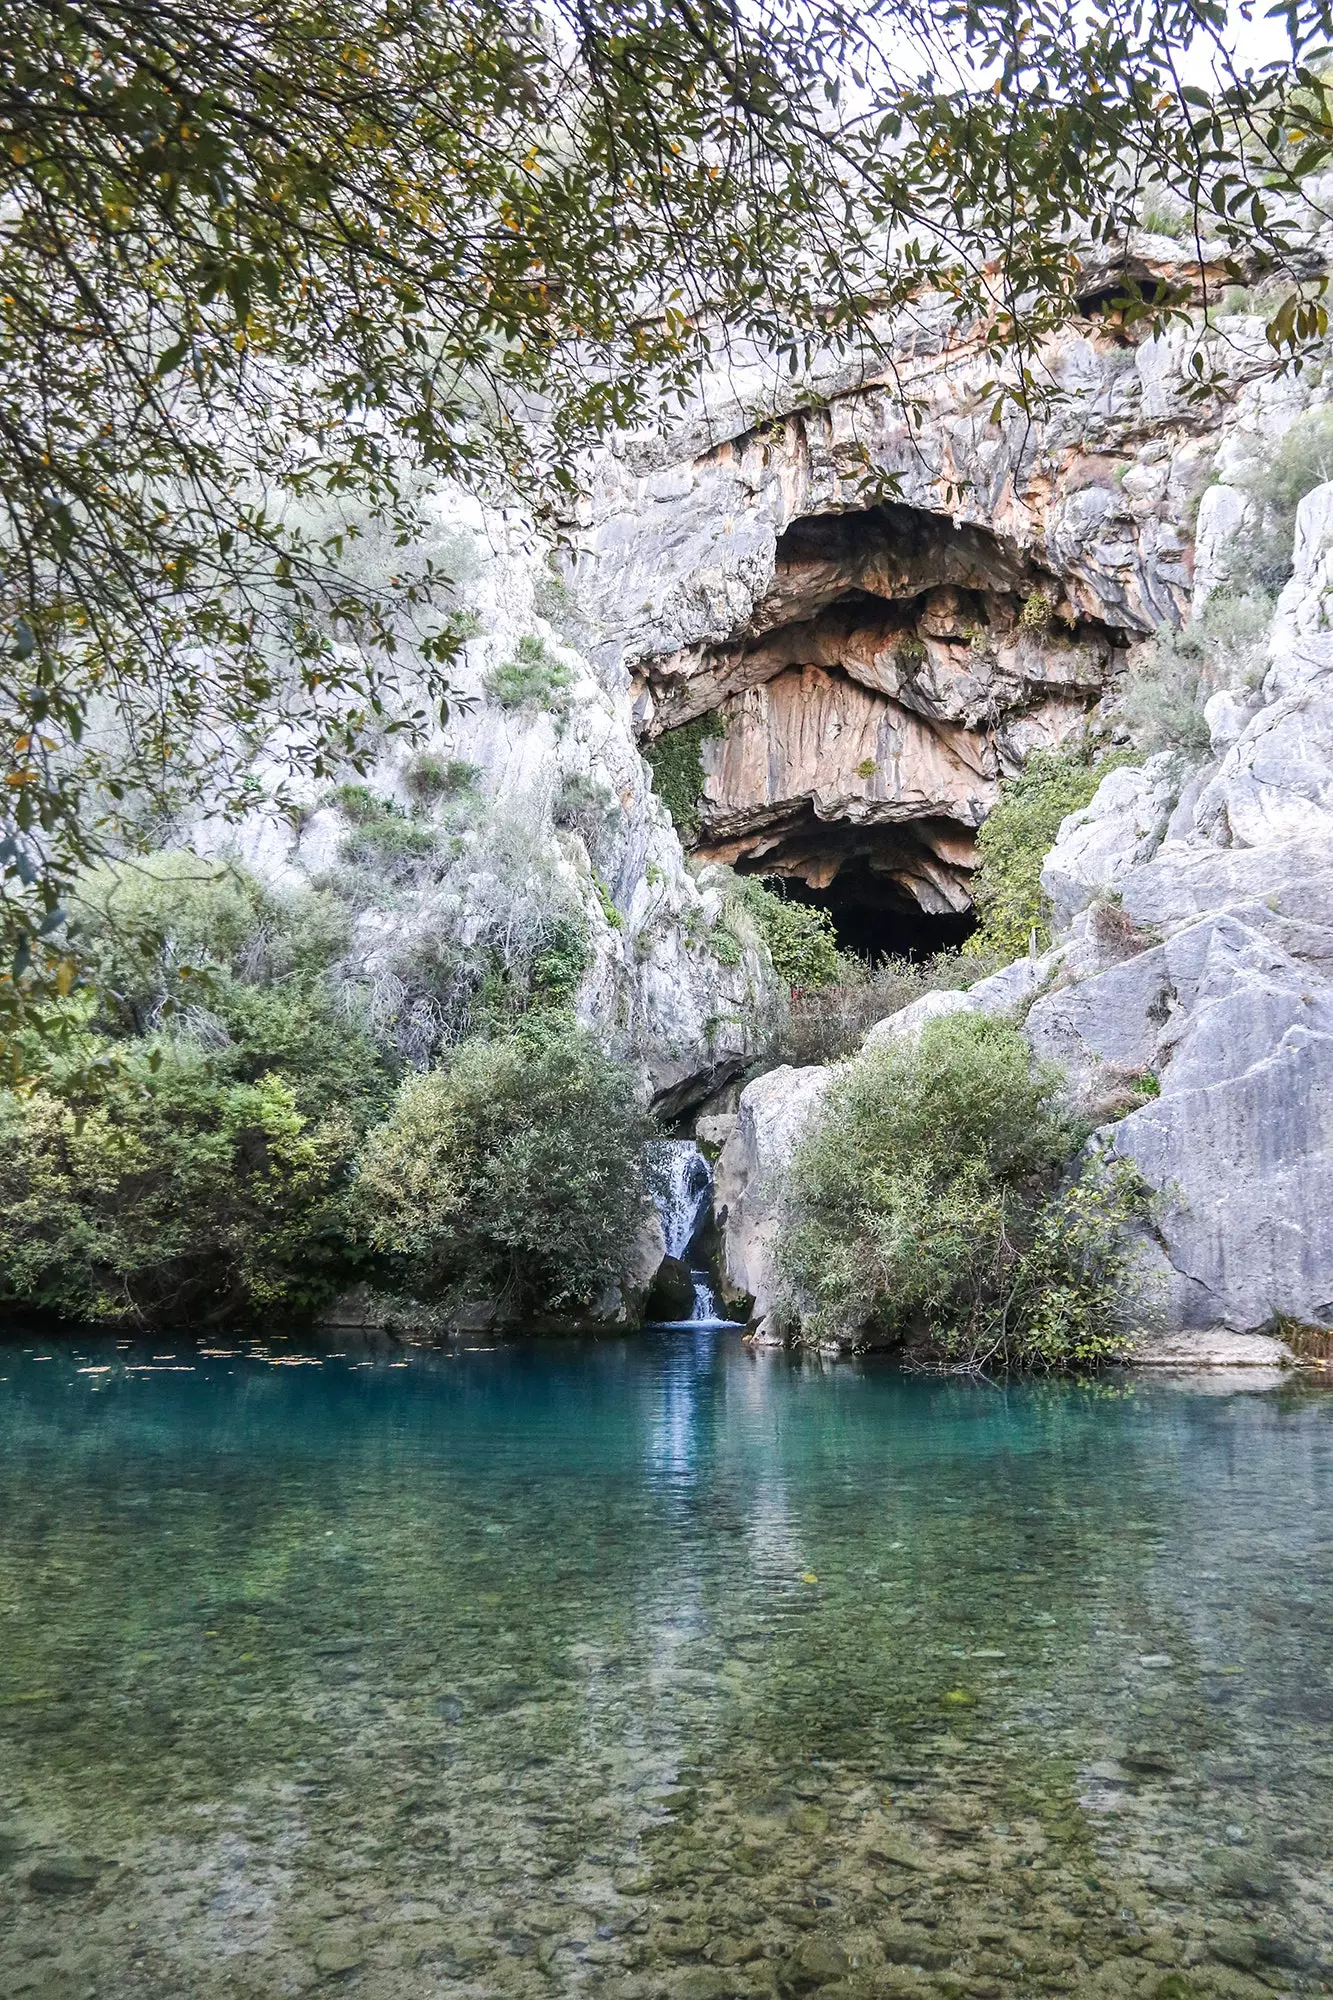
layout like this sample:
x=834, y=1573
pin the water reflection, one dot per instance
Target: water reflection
x=656, y=1667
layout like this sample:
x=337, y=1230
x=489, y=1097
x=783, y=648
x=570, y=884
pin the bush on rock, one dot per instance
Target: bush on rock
x=514, y=1173
x=1014, y=842
x=925, y=1206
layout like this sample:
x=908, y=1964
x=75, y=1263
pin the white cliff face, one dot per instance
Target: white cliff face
x=560, y=814
x=1231, y=1013
x=888, y=600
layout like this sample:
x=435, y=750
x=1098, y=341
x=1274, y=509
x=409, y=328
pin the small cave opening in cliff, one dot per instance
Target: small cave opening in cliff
x=876, y=925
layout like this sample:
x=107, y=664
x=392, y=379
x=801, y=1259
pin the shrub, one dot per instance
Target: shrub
x=587, y=806
x=826, y=1024
x=516, y=1173
x=607, y=904
x=801, y=940
x=206, y=1178
x=1014, y=842
x=429, y=776
x=162, y=931
x=532, y=678
x=676, y=762
x=383, y=839
x=1163, y=214
x=1173, y=676
x=922, y=1206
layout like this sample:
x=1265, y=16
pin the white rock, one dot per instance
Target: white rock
x=773, y=1113
x=1120, y=827
x=1224, y=514
x=906, y=1025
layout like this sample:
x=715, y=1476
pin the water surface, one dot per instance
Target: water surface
x=656, y=1667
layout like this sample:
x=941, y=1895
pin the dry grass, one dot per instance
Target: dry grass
x=826, y=1025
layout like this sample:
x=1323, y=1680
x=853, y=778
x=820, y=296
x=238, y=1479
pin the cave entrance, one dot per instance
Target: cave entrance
x=874, y=920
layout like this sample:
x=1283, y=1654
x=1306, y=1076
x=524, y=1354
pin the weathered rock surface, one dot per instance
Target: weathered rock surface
x=773, y=1113
x=1190, y=1000
x=879, y=665
x=560, y=815
x=1231, y=1014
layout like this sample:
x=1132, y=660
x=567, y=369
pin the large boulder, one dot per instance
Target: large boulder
x=1230, y=1041
x=772, y=1115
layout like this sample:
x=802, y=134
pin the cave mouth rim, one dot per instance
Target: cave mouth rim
x=875, y=931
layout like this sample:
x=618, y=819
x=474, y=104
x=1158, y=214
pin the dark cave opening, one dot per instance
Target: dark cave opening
x=874, y=919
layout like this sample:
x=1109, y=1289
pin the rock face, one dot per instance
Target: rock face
x=774, y=1110
x=886, y=609
x=1230, y=1014
x=1192, y=983
x=553, y=813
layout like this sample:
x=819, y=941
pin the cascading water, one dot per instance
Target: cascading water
x=684, y=1182
x=684, y=1190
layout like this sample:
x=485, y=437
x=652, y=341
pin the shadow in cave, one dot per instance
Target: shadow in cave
x=874, y=919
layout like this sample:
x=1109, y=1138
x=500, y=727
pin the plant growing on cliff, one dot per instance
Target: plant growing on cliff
x=826, y=1024
x=181, y=1192
x=801, y=939
x=1277, y=480
x=1014, y=842
x=923, y=1206
x=1174, y=674
x=676, y=761
x=532, y=678
x=513, y=1173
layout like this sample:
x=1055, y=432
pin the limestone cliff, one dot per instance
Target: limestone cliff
x=889, y=599
x=1192, y=981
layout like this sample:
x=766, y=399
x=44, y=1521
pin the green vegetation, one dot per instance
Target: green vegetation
x=191, y=1152
x=827, y=1023
x=801, y=940
x=533, y=678
x=1161, y=214
x=515, y=1172
x=607, y=903
x=1175, y=673
x=1037, y=612
x=191, y=1158
x=430, y=777
x=269, y=277
x=588, y=807
x=924, y=1206
x=383, y=838
x=1278, y=480
x=676, y=762
x=1013, y=843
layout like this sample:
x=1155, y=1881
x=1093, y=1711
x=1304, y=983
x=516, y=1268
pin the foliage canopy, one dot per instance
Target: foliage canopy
x=1013, y=843
x=515, y=1172
x=266, y=271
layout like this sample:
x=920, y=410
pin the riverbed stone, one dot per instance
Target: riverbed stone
x=816, y=1963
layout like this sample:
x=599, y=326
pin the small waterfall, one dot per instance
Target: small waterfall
x=684, y=1190
x=684, y=1182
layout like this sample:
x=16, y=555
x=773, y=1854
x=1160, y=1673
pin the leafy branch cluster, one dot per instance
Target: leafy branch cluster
x=676, y=761
x=1014, y=842
x=228, y=1137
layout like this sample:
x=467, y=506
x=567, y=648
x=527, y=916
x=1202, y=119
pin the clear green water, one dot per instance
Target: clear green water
x=656, y=1668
